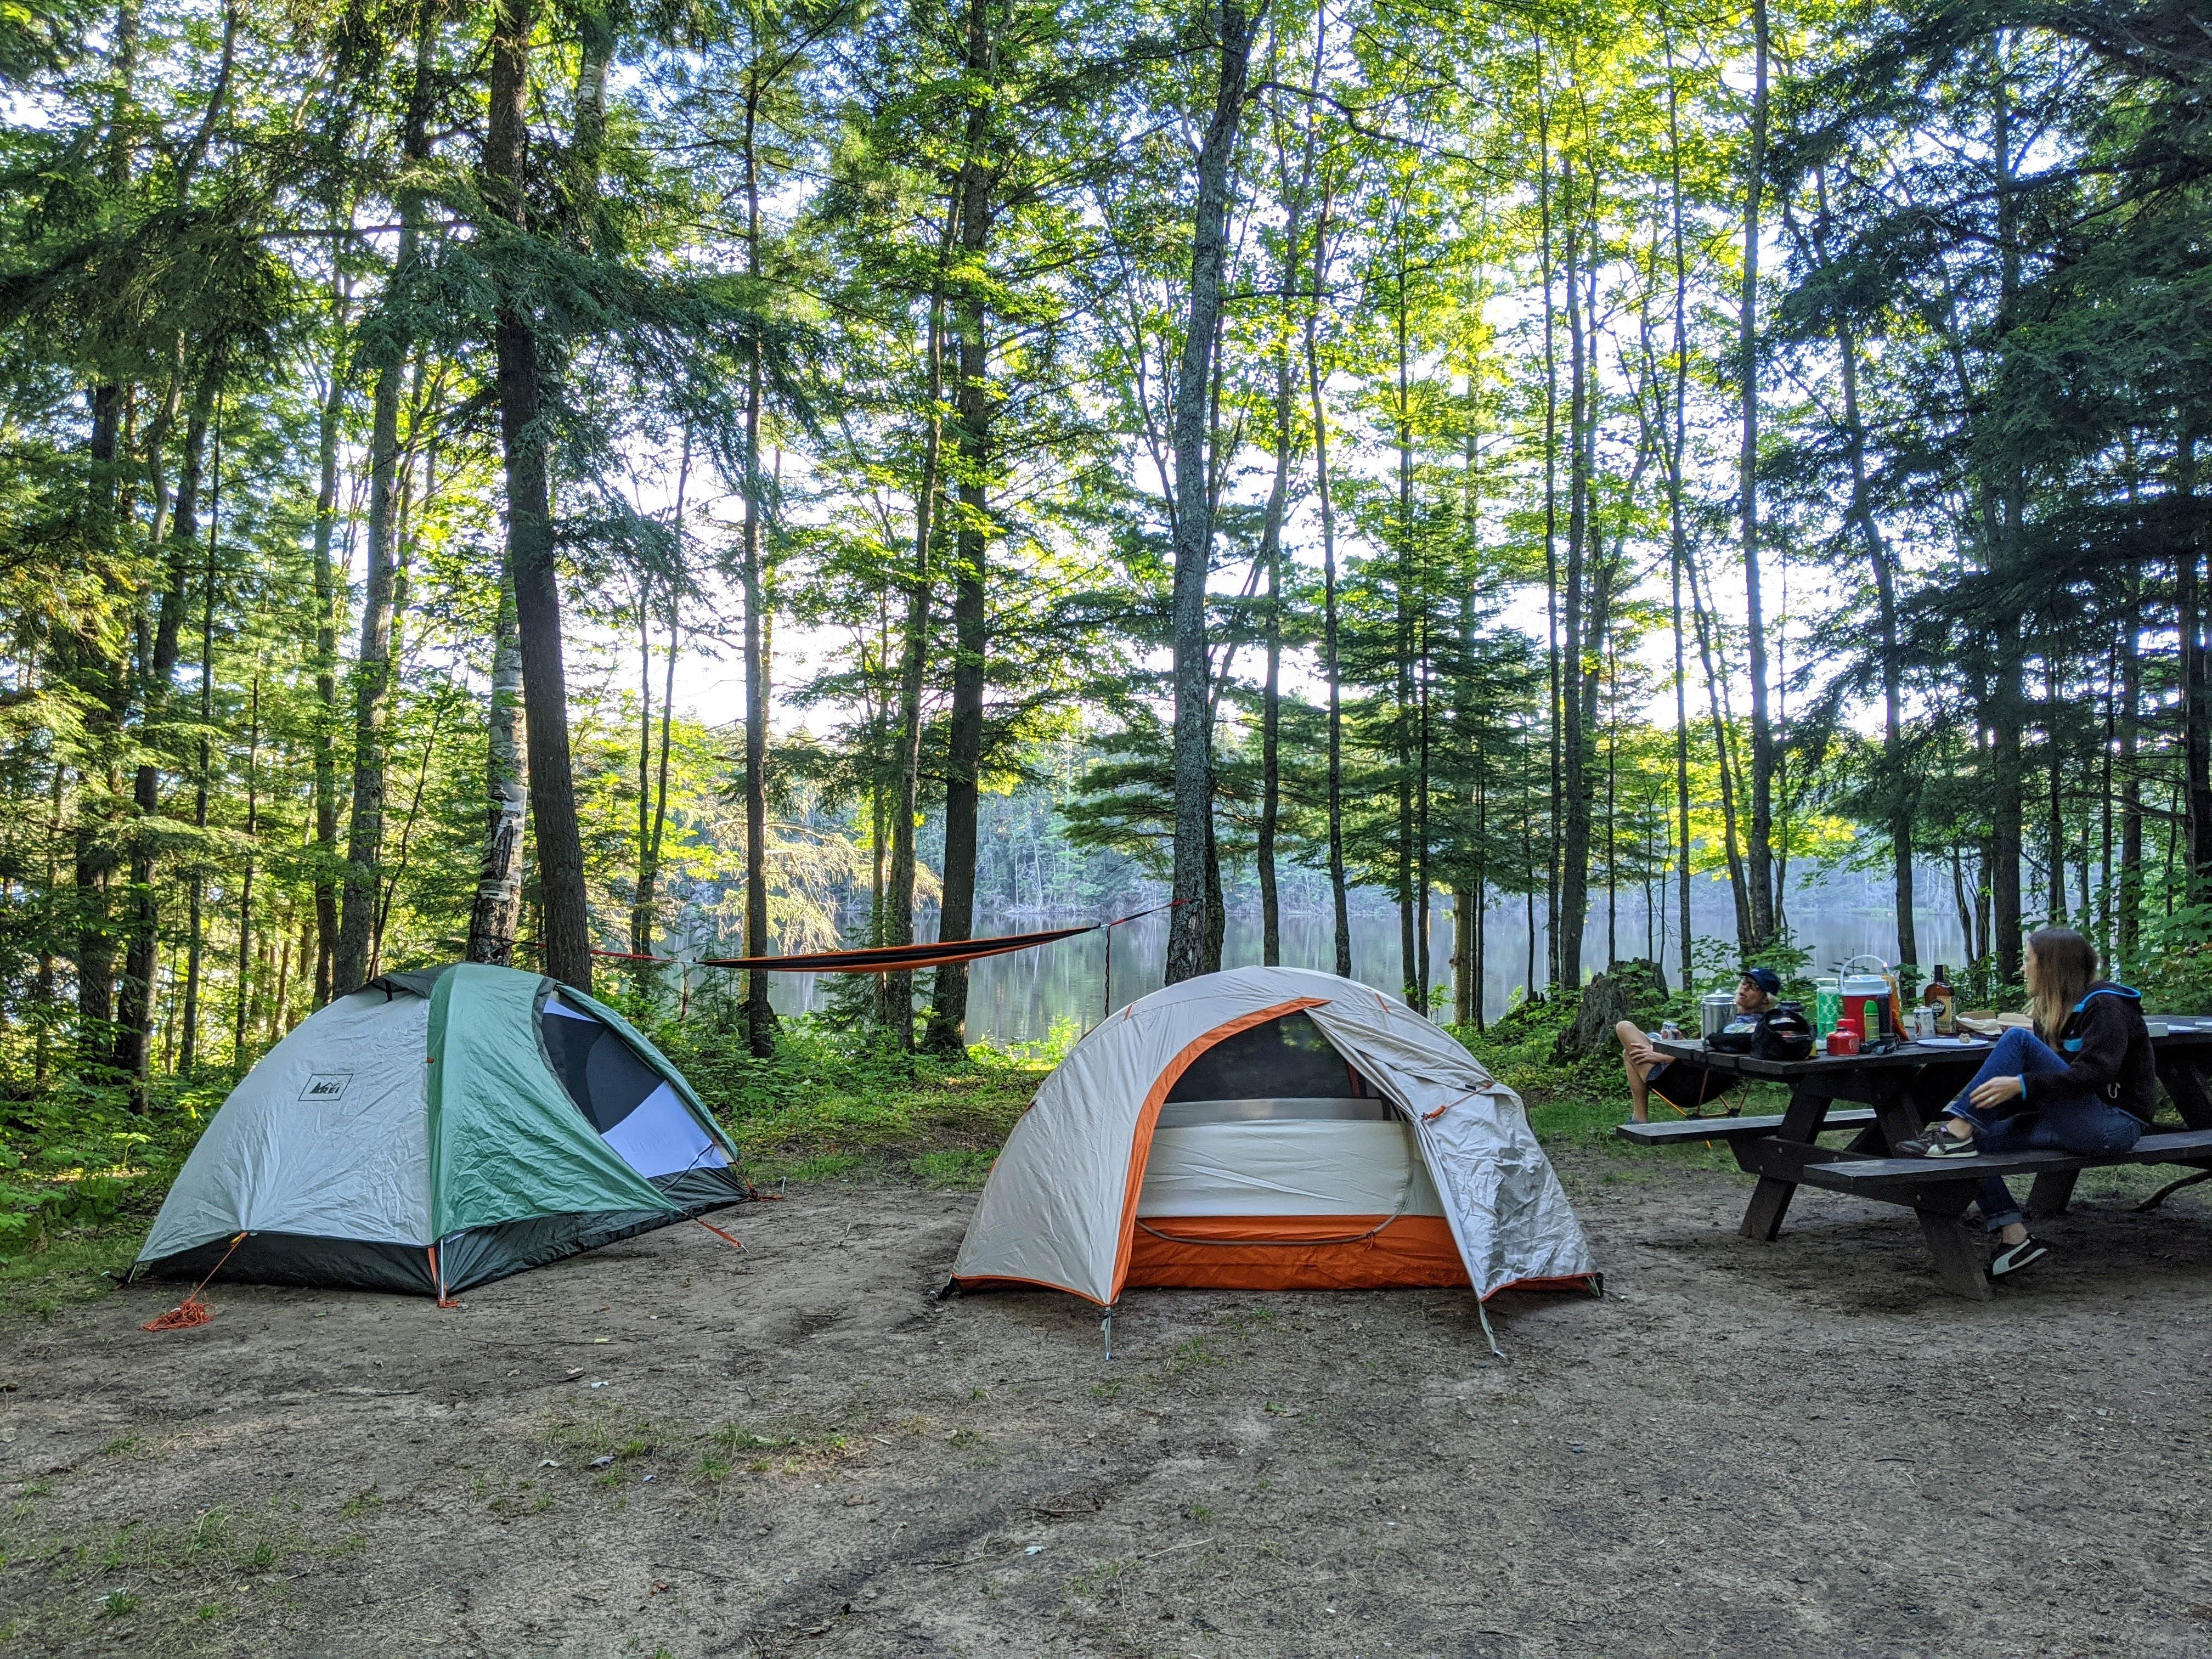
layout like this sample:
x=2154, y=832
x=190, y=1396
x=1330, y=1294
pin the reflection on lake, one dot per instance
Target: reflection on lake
x=1022, y=996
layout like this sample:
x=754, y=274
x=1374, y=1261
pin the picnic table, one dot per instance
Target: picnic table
x=1886, y=1098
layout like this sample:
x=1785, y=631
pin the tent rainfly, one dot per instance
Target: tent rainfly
x=433, y=1130
x=1270, y=1128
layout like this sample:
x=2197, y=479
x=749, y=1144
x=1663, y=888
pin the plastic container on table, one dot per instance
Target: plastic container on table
x=1827, y=1003
x=1869, y=996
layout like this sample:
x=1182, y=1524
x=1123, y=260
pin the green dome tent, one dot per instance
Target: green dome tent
x=435, y=1130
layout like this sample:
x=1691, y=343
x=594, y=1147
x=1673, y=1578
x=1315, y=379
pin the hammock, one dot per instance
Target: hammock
x=891, y=958
x=894, y=958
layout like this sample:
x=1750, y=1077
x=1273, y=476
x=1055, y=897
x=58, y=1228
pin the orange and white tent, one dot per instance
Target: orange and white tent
x=1271, y=1128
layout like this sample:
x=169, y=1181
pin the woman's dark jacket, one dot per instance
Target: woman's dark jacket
x=2107, y=1048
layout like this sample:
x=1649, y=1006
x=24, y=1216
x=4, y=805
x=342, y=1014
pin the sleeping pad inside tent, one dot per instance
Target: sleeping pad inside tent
x=1271, y=1128
x=436, y=1130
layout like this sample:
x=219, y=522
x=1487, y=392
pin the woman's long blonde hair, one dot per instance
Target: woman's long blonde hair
x=2065, y=969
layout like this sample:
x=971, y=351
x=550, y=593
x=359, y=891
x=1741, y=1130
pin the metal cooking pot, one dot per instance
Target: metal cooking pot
x=1715, y=1012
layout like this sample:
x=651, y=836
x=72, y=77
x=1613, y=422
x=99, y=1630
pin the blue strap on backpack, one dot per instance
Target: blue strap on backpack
x=2073, y=1045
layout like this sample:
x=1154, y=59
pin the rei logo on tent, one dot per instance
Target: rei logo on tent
x=327, y=1086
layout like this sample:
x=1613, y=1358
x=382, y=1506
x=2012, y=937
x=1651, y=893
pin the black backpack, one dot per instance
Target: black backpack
x=1782, y=1033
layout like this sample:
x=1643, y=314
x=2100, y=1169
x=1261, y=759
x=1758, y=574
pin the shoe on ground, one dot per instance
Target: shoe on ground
x=2014, y=1257
x=1937, y=1141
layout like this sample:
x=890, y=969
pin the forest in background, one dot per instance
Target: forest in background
x=1493, y=457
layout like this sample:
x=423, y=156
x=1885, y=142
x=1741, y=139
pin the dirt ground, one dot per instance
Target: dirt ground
x=667, y=1447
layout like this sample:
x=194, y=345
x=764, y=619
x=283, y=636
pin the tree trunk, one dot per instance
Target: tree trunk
x=595, y=49
x=497, y=914
x=102, y=680
x=1861, y=512
x=947, y=1028
x=2054, y=829
x=566, y=931
x=1193, y=525
x=1553, y=716
x=1746, y=940
x=373, y=673
x=135, y=1007
x=240, y=1006
x=1271, y=555
x=326, y=658
x=2006, y=809
x=2196, y=696
x=1677, y=444
x=1271, y=774
x=1332, y=667
x=2006, y=715
x=1760, y=874
x=1575, y=745
x=896, y=1006
x=760, y=1016
x=1410, y=966
x=372, y=689
x=652, y=820
x=2128, y=929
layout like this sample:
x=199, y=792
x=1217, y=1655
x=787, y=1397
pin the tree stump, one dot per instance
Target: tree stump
x=1633, y=990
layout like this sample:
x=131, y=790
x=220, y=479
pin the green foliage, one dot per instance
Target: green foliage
x=2176, y=972
x=832, y=1103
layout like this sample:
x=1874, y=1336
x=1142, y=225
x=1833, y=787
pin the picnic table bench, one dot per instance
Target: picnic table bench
x=1897, y=1092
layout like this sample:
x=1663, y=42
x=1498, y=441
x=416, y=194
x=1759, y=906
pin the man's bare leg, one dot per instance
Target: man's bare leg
x=1638, y=1059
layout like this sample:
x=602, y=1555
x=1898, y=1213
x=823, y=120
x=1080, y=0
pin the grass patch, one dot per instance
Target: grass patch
x=790, y=1450
x=630, y=1438
x=67, y=1270
x=212, y=1540
x=962, y=1169
x=166, y=1570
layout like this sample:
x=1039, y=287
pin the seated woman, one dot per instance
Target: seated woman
x=1686, y=1088
x=2081, y=1081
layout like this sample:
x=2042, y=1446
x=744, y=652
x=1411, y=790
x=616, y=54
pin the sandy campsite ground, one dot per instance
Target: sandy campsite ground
x=667, y=1447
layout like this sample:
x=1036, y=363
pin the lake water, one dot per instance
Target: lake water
x=1022, y=997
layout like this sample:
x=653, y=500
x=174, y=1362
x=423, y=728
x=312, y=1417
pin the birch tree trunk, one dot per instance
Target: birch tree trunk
x=372, y=666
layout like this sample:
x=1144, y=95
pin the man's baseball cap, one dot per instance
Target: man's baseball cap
x=1766, y=979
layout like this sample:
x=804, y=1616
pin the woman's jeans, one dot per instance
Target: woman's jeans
x=2084, y=1124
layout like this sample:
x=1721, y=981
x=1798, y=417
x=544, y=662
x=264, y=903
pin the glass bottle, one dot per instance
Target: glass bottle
x=1943, y=999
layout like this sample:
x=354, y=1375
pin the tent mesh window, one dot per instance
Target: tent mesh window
x=626, y=1100
x=1281, y=1068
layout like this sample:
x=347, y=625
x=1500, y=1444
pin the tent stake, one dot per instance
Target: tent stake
x=1106, y=1327
x=1483, y=1313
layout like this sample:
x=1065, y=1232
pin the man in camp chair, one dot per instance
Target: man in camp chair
x=1688, y=1088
